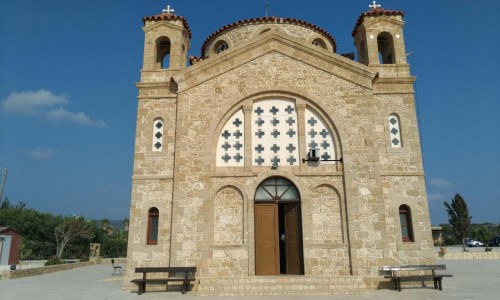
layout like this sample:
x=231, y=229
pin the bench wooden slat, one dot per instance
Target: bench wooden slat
x=414, y=268
x=172, y=273
x=164, y=269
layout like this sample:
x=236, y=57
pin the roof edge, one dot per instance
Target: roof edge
x=164, y=16
x=376, y=12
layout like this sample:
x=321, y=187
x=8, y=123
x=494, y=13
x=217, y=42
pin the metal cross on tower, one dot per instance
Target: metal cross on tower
x=171, y=10
x=374, y=5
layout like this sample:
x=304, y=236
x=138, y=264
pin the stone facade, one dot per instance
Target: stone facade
x=341, y=216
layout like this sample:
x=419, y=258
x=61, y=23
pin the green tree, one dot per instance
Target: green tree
x=481, y=233
x=26, y=250
x=5, y=203
x=113, y=240
x=458, y=217
x=34, y=226
x=105, y=225
x=126, y=223
x=72, y=228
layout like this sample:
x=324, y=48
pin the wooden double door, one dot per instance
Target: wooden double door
x=278, y=239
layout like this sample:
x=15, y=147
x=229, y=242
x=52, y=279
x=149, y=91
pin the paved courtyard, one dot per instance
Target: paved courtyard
x=473, y=279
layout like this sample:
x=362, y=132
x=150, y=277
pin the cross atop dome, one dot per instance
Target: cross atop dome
x=169, y=10
x=374, y=5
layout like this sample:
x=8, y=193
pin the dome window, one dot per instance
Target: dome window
x=320, y=43
x=221, y=46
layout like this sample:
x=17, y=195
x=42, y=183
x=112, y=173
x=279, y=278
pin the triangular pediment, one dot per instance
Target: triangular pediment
x=271, y=42
x=385, y=20
x=169, y=25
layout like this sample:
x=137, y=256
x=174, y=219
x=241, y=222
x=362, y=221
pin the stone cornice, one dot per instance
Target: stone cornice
x=393, y=85
x=401, y=173
x=152, y=85
x=298, y=173
x=233, y=174
x=152, y=177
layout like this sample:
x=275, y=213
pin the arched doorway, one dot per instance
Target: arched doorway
x=278, y=230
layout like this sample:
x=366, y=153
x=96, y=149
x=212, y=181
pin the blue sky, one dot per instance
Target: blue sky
x=68, y=100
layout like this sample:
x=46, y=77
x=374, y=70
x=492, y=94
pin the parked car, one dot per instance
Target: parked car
x=495, y=242
x=474, y=243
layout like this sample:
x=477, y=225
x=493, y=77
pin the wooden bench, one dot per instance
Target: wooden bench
x=172, y=276
x=408, y=273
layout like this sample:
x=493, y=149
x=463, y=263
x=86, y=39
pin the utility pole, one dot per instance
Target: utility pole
x=3, y=183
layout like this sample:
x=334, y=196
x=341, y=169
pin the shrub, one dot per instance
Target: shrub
x=54, y=260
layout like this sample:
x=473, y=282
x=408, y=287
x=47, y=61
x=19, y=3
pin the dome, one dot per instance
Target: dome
x=238, y=32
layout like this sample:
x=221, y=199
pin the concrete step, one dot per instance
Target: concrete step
x=281, y=285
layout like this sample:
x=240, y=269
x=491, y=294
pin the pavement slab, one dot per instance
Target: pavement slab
x=472, y=279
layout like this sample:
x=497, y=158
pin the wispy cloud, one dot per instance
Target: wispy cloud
x=435, y=197
x=440, y=183
x=41, y=153
x=47, y=106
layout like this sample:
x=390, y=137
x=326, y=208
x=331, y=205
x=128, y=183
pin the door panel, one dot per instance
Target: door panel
x=292, y=239
x=266, y=239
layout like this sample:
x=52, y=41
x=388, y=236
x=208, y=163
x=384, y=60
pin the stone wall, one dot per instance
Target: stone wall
x=350, y=110
x=349, y=210
x=42, y=270
x=466, y=255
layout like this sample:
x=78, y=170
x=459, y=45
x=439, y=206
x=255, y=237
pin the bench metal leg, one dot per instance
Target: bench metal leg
x=397, y=284
x=440, y=284
x=142, y=287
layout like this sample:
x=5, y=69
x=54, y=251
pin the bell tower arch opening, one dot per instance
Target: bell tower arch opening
x=163, y=52
x=385, y=46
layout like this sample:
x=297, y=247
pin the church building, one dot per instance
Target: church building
x=274, y=164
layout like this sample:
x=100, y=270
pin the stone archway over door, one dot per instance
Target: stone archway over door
x=278, y=236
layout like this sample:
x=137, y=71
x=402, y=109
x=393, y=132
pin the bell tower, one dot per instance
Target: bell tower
x=167, y=41
x=378, y=37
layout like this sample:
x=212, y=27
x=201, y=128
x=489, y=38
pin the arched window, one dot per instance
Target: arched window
x=153, y=215
x=319, y=42
x=277, y=189
x=406, y=224
x=221, y=46
x=158, y=135
x=274, y=136
x=163, y=52
x=386, y=48
x=395, y=131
